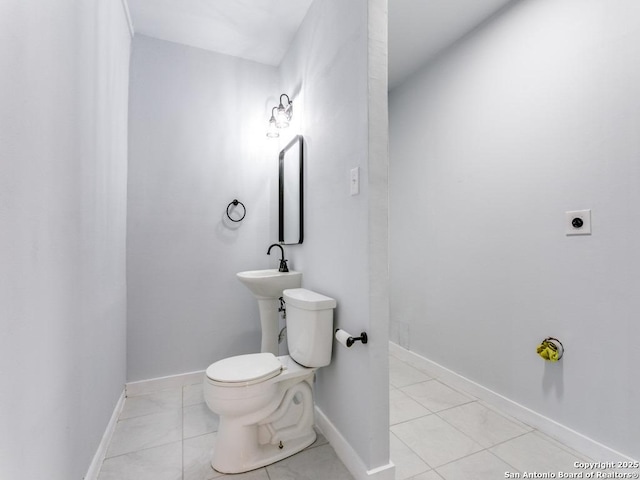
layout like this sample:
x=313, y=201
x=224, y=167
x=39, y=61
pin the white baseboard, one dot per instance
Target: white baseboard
x=101, y=452
x=155, y=384
x=563, y=434
x=348, y=455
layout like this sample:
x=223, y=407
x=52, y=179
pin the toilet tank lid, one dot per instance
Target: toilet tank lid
x=307, y=300
x=245, y=368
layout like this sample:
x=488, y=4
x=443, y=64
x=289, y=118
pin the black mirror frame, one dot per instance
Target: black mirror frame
x=296, y=140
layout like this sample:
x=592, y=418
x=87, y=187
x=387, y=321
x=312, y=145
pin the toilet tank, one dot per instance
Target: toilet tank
x=309, y=326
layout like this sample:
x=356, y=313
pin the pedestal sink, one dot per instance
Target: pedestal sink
x=267, y=287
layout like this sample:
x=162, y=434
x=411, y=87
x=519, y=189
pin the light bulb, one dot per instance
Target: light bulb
x=272, y=131
x=282, y=121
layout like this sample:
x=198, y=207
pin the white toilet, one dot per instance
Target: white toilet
x=265, y=403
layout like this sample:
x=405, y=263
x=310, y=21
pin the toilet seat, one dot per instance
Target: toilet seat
x=244, y=370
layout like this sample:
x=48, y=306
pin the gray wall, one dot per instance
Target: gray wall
x=534, y=114
x=63, y=173
x=341, y=110
x=197, y=141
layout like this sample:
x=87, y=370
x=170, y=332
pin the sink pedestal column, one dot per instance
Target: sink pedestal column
x=267, y=287
x=269, y=321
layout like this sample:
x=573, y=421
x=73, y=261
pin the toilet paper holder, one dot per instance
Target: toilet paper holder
x=350, y=340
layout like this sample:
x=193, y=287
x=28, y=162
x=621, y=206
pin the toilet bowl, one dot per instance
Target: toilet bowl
x=264, y=419
x=265, y=403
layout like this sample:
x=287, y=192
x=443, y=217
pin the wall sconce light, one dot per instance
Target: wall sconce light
x=284, y=112
x=272, y=131
x=281, y=118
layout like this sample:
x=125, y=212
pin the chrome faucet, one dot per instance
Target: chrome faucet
x=283, y=262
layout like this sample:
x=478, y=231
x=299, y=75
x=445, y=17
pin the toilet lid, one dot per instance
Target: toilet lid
x=253, y=368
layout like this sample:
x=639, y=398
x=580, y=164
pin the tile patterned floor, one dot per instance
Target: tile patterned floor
x=169, y=435
x=436, y=433
x=440, y=433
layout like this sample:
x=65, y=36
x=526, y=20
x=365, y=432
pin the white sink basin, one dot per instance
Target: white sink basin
x=269, y=283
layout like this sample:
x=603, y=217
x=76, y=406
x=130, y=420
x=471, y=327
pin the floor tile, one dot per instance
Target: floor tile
x=430, y=475
x=197, y=453
x=320, y=439
x=535, y=452
x=482, y=424
x=401, y=374
x=434, y=440
x=403, y=408
x=159, y=402
x=158, y=463
x=436, y=396
x=192, y=394
x=479, y=466
x=260, y=474
x=407, y=462
x=146, y=431
x=409, y=359
x=318, y=463
x=198, y=420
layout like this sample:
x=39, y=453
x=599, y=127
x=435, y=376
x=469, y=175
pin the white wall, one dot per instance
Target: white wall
x=197, y=141
x=532, y=115
x=63, y=170
x=335, y=73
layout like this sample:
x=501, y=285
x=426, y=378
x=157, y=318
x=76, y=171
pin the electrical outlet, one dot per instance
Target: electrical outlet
x=354, y=181
x=578, y=222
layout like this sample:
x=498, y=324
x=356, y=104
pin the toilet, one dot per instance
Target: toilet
x=265, y=403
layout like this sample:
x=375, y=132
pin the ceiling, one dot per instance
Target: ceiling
x=262, y=30
x=420, y=29
x=258, y=30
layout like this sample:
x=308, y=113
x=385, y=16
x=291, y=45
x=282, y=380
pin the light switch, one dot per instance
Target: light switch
x=578, y=222
x=355, y=181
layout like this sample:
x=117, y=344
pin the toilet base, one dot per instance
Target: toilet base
x=263, y=423
x=268, y=454
x=243, y=444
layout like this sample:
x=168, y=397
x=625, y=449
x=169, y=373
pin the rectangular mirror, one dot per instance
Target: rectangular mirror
x=290, y=183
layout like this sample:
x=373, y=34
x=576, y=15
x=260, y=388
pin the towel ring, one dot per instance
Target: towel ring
x=235, y=203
